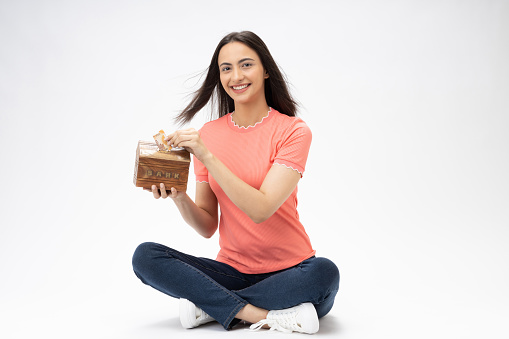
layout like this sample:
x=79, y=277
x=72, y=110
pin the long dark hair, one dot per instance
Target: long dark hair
x=276, y=90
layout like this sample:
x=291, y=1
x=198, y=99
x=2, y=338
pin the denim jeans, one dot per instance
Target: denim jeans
x=222, y=291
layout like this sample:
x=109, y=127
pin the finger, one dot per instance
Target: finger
x=173, y=192
x=181, y=131
x=155, y=192
x=171, y=137
x=177, y=139
x=179, y=136
x=164, y=195
x=168, y=138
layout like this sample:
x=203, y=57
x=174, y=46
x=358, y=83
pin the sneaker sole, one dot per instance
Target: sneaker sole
x=313, y=326
x=187, y=314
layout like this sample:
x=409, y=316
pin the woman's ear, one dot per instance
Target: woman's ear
x=266, y=75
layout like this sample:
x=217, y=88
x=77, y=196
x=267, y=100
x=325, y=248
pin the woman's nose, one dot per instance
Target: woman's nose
x=237, y=74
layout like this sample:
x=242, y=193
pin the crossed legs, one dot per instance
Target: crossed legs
x=227, y=294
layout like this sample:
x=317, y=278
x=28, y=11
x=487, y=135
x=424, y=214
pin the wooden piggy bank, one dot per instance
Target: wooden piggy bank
x=154, y=167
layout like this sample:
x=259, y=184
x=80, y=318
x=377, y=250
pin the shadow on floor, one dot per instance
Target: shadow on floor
x=328, y=325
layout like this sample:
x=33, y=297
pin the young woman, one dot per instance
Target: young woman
x=247, y=163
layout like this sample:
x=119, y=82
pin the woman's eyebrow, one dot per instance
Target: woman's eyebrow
x=245, y=59
x=240, y=61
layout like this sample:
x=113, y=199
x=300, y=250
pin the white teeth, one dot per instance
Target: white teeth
x=239, y=87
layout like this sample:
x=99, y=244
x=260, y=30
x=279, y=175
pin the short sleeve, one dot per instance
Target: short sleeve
x=294, y=149
x=200, y=171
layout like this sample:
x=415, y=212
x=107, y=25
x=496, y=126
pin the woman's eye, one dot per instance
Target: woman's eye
x=247, y=64
x=224, y=69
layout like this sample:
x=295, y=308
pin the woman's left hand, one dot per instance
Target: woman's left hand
x=189, y=139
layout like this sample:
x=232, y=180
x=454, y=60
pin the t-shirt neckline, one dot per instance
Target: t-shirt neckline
x=249, y=128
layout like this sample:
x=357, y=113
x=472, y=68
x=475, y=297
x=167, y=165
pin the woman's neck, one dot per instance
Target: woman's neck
x=249, y=115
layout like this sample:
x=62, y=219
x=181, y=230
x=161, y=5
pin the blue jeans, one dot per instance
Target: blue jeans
x=222, y=291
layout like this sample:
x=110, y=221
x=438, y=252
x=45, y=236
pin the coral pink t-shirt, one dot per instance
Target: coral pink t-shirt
x=280, y=241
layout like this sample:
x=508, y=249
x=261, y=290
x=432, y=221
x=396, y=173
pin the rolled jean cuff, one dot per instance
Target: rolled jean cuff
x=231, y=321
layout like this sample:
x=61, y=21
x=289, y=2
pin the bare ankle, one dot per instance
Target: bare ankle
x=252, y=314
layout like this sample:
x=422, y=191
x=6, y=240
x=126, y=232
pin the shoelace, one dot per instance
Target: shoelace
x=283, y=322
x=203, y=316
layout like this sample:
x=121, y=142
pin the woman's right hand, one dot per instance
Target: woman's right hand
x=163, y=193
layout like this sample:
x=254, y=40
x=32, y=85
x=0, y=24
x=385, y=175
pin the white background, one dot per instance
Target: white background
x=406, y=187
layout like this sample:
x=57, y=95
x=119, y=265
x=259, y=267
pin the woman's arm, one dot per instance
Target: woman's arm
x=258, y=204
x=202, y=215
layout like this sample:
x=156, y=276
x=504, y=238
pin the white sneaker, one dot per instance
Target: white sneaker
x=192, y=316
x=301, y=318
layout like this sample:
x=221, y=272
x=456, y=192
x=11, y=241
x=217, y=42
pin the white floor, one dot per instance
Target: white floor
x=136, y=311
x=153, y=317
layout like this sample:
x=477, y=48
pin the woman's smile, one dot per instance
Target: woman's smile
x=240, y=88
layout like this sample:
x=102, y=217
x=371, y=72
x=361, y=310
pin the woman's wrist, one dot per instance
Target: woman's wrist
x=179, y=198
x=207, y=159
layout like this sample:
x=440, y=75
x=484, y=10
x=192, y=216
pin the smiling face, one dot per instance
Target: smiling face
x=242, y=74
